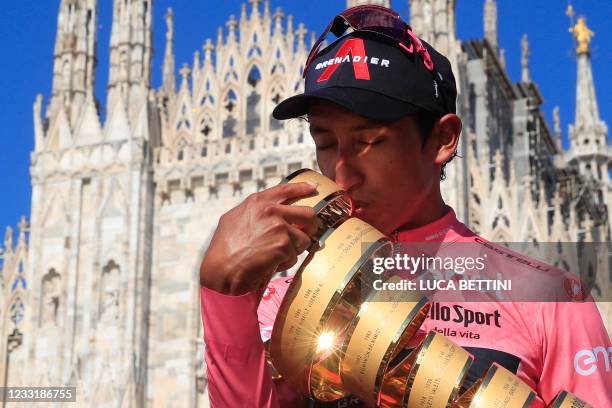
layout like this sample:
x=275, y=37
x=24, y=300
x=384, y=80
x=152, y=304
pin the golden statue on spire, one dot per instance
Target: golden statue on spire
x=581, y=32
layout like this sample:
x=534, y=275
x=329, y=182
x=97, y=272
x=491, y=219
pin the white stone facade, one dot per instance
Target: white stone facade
x=103, y=293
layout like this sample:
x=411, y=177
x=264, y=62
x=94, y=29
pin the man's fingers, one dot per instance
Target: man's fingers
x=301, y=241
x=287, y=191
x=301, y=216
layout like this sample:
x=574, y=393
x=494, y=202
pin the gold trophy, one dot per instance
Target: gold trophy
x=568, y=400
x=498, y=388
x=430, y=376
x=334, y=335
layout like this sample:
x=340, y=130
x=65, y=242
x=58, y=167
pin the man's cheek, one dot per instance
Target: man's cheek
x=326, y=165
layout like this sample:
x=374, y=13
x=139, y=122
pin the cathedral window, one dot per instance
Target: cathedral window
x=472, y=107
x=294, y=167
x=230, y=101
x=599, y=178
x=209, y=98
x=206, y=130
x=174, y=185
x=270, y=171
x=213, y=191
x=277, y=68
x=109, y=292
x=17, y=311
x=253, y=120
x=50, y=299
x=255, y=50
x=221, y=178
x=276, y=97
x=229, y=127
x=197, y=182
x=123, y=65
x=245, y=175
x=18, y=281
x=89, y=16
x=254, y=76
x=233, y=74
x=206, y=126
x=230, y=122
x=237, y=189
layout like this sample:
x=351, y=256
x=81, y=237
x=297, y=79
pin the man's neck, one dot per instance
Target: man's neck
x=426, y=216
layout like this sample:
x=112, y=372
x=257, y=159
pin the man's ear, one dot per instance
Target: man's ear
x=447, y=130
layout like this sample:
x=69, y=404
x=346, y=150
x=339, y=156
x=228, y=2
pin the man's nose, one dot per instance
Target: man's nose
x=348, y=175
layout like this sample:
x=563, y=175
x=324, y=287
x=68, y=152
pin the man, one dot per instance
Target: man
x=381, y=107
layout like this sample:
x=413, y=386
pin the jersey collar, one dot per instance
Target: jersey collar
x=444, y=229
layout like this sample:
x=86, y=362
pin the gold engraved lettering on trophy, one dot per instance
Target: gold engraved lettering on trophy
x=439, y=372
x=568, y=400
x=499, y=389
x=317, y=289
x=385, y=322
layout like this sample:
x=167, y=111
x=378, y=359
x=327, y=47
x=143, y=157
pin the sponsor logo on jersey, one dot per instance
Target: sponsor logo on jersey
x=574, y=289
x=512, y=256
x=589, y=361
x=270, y=290
x=464, y=316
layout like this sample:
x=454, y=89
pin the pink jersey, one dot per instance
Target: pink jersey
x=552, y=346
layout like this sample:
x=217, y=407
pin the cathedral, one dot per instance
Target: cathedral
x=99, y=287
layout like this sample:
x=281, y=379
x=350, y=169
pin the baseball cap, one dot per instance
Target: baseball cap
x=371, y=75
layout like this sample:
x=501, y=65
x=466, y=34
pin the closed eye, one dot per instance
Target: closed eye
x=325, y=146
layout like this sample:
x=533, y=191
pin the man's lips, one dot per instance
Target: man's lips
x=359, y=208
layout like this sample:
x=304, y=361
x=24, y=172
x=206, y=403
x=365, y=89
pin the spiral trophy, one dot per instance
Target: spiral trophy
x=334, y=335
x=568, y=400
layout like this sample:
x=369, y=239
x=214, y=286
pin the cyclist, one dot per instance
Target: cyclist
x=381, y=109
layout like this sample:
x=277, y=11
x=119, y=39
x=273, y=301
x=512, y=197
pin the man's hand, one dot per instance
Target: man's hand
x=260, y=236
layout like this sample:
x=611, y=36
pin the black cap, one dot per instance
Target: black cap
x=370, y=75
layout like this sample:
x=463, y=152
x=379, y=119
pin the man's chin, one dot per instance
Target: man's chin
x=368, y=216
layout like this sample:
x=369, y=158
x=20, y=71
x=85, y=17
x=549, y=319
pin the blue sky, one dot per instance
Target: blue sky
x=27, y=37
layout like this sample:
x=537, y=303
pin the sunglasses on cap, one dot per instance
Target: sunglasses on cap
x=376, y=19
